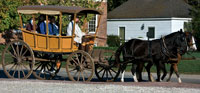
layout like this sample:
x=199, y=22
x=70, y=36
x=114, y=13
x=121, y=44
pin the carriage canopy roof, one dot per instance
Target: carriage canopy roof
x=53, y=10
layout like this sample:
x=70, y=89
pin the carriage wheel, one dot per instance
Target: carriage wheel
x=18, y=60
x=45, y=70
x=107, y=71
x=80, y=66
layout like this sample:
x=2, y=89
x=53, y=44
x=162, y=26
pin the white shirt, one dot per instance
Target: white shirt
x=78, y=33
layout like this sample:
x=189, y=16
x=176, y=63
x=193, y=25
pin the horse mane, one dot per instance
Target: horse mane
x=172, y=34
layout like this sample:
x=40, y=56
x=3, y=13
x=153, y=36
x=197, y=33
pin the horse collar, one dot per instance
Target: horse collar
x=165, y=50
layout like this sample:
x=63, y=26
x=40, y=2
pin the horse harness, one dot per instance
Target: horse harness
x=165, y=52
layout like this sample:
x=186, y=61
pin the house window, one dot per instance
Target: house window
x=92, y=24
x=151, y=32
x=122, y=33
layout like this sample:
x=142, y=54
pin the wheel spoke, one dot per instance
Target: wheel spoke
x=75, y=73
x=110, y=73
x=21, y=50
x=37, y=63
x=85, y=73
x=48, y=67
x=77, y=59
x=24, y=66
x=14, y=70
x=100, y=71
x=17, y=50
x=72, y=70
x=8, y=63
x=74, y=61
x=113, y=70
x=24, y=52
x=13, y=50
x=103, y=73
x=22, y=71
x=38, y=67
x=11, y=68
x=81, y=59
x=18, y=71
x=78, y=75
x=106, y=75
x=82, y=76
x=11, y=54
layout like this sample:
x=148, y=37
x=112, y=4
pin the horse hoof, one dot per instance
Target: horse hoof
x=179, y=80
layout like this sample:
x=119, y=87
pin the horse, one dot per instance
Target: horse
x=191, y=45
x=138, y=52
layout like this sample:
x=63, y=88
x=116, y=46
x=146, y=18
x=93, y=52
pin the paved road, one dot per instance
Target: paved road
x=62, y=75
x=195, y=79
x=61, y=84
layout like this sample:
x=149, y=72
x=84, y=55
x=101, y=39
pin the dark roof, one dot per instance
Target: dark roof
x=151, y=9
x=63, y=9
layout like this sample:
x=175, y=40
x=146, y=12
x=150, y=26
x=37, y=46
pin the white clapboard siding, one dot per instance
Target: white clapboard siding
x=138, y=27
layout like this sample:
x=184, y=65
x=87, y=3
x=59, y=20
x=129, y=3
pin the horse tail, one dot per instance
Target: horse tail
x=118, y=53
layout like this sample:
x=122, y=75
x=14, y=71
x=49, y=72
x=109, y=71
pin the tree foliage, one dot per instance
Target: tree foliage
x=195, y=13
x=9, y=18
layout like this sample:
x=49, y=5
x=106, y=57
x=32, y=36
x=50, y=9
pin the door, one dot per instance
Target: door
x=122, y=33
x=151, y=32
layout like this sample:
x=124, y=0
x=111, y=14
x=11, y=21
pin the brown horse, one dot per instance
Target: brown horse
x=156, y=52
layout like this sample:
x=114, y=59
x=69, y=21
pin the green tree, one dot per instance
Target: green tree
x=9, y=18
x=195, y=13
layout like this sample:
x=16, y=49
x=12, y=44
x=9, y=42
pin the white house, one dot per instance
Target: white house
x=134, y=18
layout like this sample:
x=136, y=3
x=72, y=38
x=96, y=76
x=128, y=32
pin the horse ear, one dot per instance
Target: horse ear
x=181, y=30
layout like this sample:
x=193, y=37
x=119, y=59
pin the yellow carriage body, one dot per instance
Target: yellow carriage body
x=48, y=43
x=51, y=43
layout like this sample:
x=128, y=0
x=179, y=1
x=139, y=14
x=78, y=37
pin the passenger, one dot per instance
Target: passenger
x=78, y=33
x=42, y=25
x=29, y=26
x=53, y=28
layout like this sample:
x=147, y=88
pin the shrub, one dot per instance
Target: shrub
x=113, y=41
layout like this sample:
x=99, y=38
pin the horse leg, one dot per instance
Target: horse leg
x=170, y=74
x=174, y=67
x=123, y=67
x=176, y=72
x=148, y=69
x=122, y=78
x=139, y=71
x=133, y=70
x=164, y=71
x=158, y=72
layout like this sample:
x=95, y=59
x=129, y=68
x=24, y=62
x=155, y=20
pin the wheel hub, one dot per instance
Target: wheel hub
x=80, y=67
x=19, y=60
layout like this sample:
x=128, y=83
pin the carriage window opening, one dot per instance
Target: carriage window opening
x=93, y=24
x=151, y=32
x=122, y=33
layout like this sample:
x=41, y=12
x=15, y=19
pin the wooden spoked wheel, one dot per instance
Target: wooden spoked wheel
x=80, y=66
x=18, y=60
x=107, y=71
x=45, y=70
